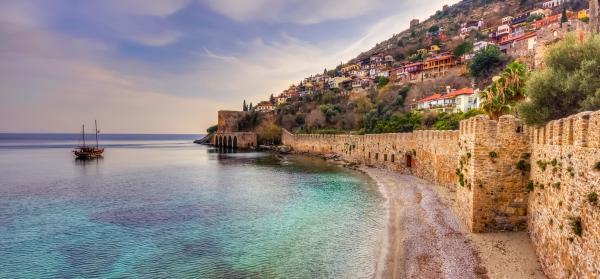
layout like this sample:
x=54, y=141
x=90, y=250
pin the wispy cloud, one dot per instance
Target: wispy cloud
x=296, y=11
x=132, y=65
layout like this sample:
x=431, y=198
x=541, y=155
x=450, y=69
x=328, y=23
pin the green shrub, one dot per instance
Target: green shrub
x=592, y=197
x=576, y=226
x=493, y=154
x=569, y=84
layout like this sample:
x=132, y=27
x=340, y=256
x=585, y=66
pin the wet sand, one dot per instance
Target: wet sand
x=425, y=238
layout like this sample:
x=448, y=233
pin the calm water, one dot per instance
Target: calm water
x=161, y=207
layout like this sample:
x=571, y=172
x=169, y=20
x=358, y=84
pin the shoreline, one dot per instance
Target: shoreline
x=423, y=237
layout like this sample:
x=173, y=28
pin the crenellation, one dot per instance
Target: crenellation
x=594, y=130
x=507, y=176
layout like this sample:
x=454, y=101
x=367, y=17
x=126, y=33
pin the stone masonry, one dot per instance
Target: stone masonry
x=507, y=177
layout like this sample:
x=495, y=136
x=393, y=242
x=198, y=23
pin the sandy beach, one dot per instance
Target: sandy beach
x=425, y=239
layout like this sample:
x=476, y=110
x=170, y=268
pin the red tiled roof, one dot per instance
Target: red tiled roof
x=438, y=96
x=519, y=38
x=463, y=91
x=430, y=98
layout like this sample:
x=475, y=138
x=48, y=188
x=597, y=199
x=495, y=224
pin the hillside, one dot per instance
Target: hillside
x=393, y=86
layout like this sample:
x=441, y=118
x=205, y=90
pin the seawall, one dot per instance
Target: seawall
x=507, y=177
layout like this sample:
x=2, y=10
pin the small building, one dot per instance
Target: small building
x=503, y=29
x=265, y=106
x=553, y=3
x=582, y=14
x=413, y=71
x=334, y=83
x=461, y=100
x=507, y=19
x=467, y=27
x=439, y=65
x=281, y=100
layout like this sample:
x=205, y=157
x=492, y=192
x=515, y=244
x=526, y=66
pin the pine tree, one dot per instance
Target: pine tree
x=564, y=17
x=250, y=108
x=245, y=108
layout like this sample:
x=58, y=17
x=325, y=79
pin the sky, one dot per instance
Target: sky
x=168, y=66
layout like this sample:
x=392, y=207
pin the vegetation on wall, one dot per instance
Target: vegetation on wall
x=212, y=129
x=569, y=84
x=505, y=91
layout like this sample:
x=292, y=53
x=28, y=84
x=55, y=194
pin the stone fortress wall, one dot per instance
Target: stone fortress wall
x=507, y=177
x=228, y=134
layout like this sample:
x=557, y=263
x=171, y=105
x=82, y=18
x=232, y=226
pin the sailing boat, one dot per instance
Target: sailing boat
x=88, y=152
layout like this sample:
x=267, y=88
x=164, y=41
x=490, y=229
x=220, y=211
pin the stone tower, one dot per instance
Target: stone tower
x=594, y=26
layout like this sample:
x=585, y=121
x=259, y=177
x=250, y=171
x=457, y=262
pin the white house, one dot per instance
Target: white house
x=265, y=106
x=552, y=3
x=452, y=101
x=503, y=29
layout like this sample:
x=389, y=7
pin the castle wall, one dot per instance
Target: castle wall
x=228, y=120
x=507, y=177
x=564, y=172
x=492, y=194
x=426, y=154
x=236, y=140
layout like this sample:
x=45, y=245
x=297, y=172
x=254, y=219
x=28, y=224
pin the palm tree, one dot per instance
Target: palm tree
x=506, y=89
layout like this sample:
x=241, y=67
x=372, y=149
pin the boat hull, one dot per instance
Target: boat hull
x=88, y=153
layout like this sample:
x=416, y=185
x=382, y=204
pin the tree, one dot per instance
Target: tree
x=245, y=107
x=272, y=99
x=270, y=134
x=250, y=107
x=487, y=63
x=463, y=48
x=505, y=91
x=564, y=18
x=569, y=84
x=433, y=29
x=212, y=129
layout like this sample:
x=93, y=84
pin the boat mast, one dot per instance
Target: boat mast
x=83, y=133
x=96, y=126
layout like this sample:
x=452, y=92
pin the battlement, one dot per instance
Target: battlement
x=506, y=128
x=582, y=129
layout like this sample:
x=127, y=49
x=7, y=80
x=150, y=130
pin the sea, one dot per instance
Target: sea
x=160, y=206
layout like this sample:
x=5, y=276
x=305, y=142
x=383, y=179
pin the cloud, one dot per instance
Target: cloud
x=296, y=11
x=160, y=8
x=52, y=81
x=156, y=39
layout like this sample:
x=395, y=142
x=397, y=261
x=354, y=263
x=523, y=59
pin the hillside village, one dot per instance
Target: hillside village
x=427, y=66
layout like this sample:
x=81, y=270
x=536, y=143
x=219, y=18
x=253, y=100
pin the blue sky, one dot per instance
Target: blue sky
x=167, y=66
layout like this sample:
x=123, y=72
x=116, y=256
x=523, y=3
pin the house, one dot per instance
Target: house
x=434, y=49
x=462, y=100
x=265, y=106
x=467, y=27
x=520, y=19
x=334, y=83
x=547, y=21
x=479, y=45
x=524, y=45
x=281, y=100
x=582, y=14
x=397, y=75
x=389, y=59
x=349, y=68
x=553, y=3
x=413, y=71
x=538, y=12
x=507, y=20
x=439, y=65
x=503, y=29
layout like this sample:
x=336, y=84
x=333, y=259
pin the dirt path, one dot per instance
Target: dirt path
x=426, y=240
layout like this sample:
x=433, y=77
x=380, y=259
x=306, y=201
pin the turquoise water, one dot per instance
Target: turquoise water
x=166, y=208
